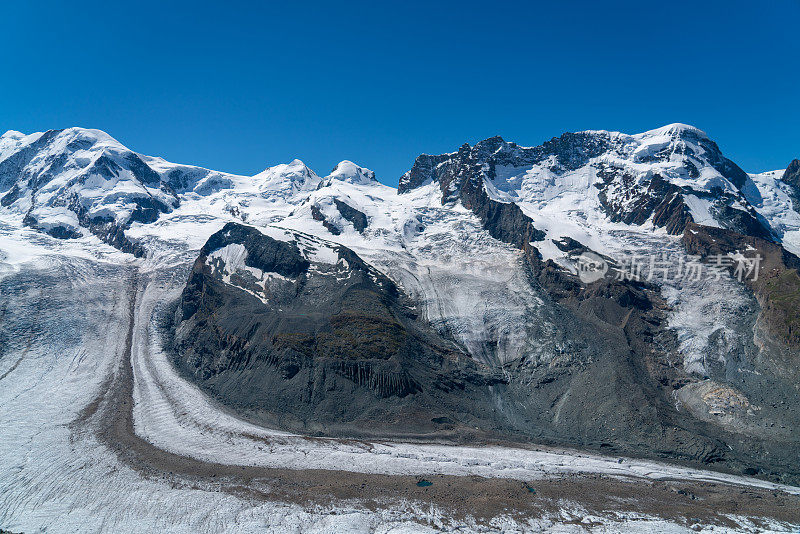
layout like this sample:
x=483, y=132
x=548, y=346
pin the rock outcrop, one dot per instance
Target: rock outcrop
x=304, y=333
x=792, y=177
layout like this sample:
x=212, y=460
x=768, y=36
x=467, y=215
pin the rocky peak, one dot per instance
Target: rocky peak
x=792, y=178
x=569, y=151
x=490, y=146
x=669, y=176
x=792, y=172
x=422, y=172
x=313, y=325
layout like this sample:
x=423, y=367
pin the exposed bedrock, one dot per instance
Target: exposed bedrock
x=619, y=381
x=300, y=333
x=357, y=218
x=328, y=346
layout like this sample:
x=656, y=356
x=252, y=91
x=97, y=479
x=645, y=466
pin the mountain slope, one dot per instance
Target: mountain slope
x=576, y=184
x=483, y=248
x=299, y=332
x=64, y=181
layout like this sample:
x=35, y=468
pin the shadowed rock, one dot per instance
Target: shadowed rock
x=792, y=177
x=326, y=347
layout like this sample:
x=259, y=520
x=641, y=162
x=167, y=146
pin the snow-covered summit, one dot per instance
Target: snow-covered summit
x=349, y=172
x=287, y=179
x=76, y=181
x=665, y=177
x=9, y=138
x=65, y=180
x=674, y=130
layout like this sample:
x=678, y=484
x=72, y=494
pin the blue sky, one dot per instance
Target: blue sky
x=238, y=87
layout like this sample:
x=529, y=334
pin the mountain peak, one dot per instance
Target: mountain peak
x=349, y=172
x=92, y=135
x=491, y=145
x=287, y=178
x=791, y=177
x=295, y=170
x=676, y=130
x=495, y=140
x=793, y=168
x=12, y=134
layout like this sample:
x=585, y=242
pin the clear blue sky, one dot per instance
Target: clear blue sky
x=238, y=87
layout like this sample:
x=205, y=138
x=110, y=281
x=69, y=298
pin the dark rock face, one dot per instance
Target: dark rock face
x=11, y=170
x=114, y=235
x=625, y=200
x=503, y=221
x=59, y=232
x=768, y=376
x=460, y=176
x=321, y=347
x=317, y=215
x=747, y=222
x=621, y=349
x=792, y=177
x=141, y=171
x=660, y=199
x=11, y=196
x=624, y=354
x=338, y=349
x=263, y=252
x=615, y=389
x=723, y=165
x=424, y=171
x=572, y=150
x=106, y=229
x=357, y=218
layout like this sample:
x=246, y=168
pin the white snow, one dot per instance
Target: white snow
x=770, y=197
x=349, y=172
x=700, y=210
x=286, y=179
x=465, y=281
x=53, y=217
x=233, y=257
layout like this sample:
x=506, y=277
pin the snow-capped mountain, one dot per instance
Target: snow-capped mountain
x=775, y=195
x=573, y=185
x=349, y=172
x=577, y=184
x=286, y=180
x=481, y=247
x=67, y=181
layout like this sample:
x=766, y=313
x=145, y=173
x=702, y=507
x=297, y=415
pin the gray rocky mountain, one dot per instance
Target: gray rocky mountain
x=303, y=333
